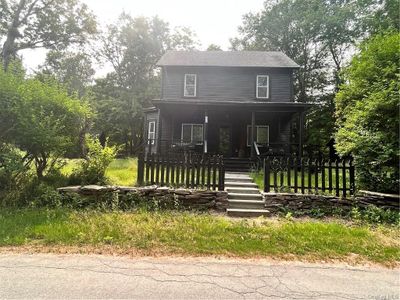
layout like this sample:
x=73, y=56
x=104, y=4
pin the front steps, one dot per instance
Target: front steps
x=244, y=197
x=235, y=164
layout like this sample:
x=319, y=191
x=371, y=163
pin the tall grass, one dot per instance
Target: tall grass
x=198, y=234
x=119, y=172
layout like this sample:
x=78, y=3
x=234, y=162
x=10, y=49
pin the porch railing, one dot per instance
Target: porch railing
x=309, y=175
x=187, y=170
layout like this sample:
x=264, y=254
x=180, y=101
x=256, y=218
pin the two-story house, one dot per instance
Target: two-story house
x=230, y=103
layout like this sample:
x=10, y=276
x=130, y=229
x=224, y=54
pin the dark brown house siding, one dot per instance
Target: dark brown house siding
x=228, y=83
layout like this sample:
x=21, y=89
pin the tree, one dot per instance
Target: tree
x=214, y=47
x=72, y=69
x=40, y=119
x=51, y=24
x=133, y=46
x=367, y=108
x=318, y=35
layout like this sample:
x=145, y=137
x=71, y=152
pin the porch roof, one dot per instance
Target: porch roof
x=259, y=106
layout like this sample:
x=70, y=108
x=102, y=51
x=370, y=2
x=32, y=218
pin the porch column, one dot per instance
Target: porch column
x=205, y=131
x=301, y=132
x=253, y=133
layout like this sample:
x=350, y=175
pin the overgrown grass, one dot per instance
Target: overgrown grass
x=120, y=171
x=199, y=234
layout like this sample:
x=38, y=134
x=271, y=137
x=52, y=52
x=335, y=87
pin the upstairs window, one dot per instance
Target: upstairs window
x=262, y=91
x=190, y=85
x=261, y=135
x=192, y=133
x=151, y=132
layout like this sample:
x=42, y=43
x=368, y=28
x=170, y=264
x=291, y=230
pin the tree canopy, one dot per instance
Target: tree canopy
x=367, y=108
x=51, y=24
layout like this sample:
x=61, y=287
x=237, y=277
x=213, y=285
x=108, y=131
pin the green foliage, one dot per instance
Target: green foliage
x=132, y=46
x=74, y=70
x=39, y=118
x=375, y=215
x=93, y=167
x=368, y=113
x=53, y=24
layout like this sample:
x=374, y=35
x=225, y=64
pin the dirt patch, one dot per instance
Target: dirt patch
x=109, y=250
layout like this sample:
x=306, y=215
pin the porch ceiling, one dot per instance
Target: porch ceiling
x=182, y=104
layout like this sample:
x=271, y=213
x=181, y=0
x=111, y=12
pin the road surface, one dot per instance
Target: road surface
x=91, y=276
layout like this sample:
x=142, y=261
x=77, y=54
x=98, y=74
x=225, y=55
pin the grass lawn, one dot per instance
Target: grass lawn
x=199, y=234
x=120, y=171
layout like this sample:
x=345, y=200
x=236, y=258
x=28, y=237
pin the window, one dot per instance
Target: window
x=192, y=133
x=261, y=134
x=190, y=85
x=151, y=132
x=262, y=91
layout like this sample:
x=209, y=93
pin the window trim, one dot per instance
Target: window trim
x=191, y=132
x=262, y=86
x=256, y=129
x=194, y=85
x=153, y=140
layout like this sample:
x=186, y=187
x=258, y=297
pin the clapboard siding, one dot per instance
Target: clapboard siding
x=227, y=83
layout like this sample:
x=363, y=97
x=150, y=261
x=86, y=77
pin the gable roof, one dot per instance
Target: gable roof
x=271, y=59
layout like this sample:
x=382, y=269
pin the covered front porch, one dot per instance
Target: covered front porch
x=230, y=129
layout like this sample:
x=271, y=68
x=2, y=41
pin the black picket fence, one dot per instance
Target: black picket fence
x=185, y=170
x=309, y=175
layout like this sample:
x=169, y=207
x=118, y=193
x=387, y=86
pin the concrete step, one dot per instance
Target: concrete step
x=246, y=204
x=242, y=190
x=240, y=184
x=238, y=212
x=237, y=177
x=244, y=196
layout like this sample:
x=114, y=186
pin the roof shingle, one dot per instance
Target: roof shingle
x=271, y=59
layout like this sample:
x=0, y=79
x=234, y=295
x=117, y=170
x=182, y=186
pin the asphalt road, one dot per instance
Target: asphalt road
x=91, y=276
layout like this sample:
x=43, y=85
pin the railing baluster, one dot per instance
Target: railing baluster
x=167, y=170
x=322, y=164
x=152, y=169
x=351, y=171
x=208, y=172
x=330, y=176
x=275, y=176
x=267, y=170
x=302, y=166
x=162, y=167
x=337, y=177
x=316, y=175
x=296, y=163
x=214, y=183
x=198, y=171
x=289, y=170
x=344, y=177
x=309, y=174
x=192, y=167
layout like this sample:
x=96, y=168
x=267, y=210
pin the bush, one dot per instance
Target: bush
x=93, y=168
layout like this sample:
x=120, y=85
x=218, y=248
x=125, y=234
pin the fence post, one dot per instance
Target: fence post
x=140, y=174
x=352, y=181
x=267, y=170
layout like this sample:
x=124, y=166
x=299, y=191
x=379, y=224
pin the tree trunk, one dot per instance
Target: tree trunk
x=9, y=50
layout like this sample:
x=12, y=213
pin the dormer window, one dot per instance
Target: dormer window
x=190, y=85
x=262, y=91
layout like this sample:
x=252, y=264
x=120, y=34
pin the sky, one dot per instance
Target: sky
x=213, y=21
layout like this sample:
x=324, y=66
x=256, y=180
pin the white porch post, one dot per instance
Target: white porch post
x=205, y=131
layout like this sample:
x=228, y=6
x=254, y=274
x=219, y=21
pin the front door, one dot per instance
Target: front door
x=225, y=140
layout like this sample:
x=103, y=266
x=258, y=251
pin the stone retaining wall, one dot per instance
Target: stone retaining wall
x=197, y=199
x=276, y=202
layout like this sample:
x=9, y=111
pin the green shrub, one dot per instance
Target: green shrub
x=93, y=168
